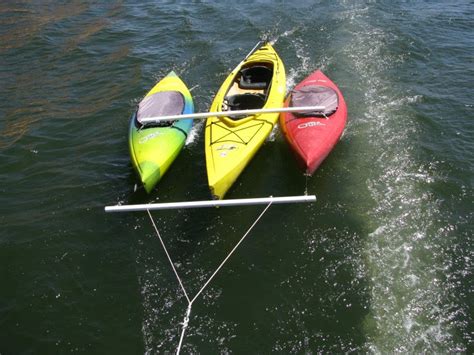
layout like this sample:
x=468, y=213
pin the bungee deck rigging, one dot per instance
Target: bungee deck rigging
x=222, y=139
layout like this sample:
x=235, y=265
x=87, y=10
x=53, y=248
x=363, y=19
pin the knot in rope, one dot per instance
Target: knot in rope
x=186, y=317
x=185, y=325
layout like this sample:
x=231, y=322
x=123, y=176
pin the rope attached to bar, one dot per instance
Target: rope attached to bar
x=190, y=302
x=168, y=255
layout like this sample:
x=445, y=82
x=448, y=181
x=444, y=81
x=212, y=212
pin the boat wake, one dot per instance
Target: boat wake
x=297, y=72
x=406, y=261
x=273, y=39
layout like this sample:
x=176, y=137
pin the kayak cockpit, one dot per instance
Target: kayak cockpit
x=256, y=77
x=249, y=89
x=162, y=103
x=315, y=95
x=247, y=101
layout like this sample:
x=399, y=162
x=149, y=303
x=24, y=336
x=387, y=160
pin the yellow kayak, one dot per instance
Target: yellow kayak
x=259, y=81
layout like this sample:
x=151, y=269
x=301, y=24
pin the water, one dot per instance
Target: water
x=382, y=263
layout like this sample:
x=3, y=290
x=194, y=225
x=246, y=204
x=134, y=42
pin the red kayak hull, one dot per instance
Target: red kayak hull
x=313, y=138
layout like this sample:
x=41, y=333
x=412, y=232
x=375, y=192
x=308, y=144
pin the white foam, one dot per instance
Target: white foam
x=273, y=133
x=274, y=38
x=404, y=255
x=195, y=132
x=298, y=72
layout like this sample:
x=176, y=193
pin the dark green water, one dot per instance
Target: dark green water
x=382, y=263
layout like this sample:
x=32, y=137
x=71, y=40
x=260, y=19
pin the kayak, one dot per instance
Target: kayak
x=154, y=146
x=257, y=82
x=312, y=135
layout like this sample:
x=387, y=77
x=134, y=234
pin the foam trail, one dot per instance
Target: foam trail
x=287, y=33
x=405, y=258
x=305, y=66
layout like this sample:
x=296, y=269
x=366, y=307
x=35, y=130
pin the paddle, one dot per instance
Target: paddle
x=202, y=115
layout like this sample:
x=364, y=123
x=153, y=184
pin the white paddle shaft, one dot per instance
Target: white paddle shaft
x=201, y=115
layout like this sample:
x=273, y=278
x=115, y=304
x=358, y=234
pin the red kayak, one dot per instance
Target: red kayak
x=312, y=135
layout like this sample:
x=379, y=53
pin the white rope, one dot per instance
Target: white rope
x=190, y=302
x=232, y=251
x=168, y=255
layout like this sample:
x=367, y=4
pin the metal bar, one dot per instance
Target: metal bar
x=211, y=203
x=201, y=115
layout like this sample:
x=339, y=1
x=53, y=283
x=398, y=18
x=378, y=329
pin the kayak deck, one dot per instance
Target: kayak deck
x=231, y=142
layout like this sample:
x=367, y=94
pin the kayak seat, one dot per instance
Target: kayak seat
x=256, y=78
x=246, y=101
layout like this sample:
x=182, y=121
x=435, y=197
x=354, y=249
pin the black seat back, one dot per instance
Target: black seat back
x=256, y=78
x=246, y=102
